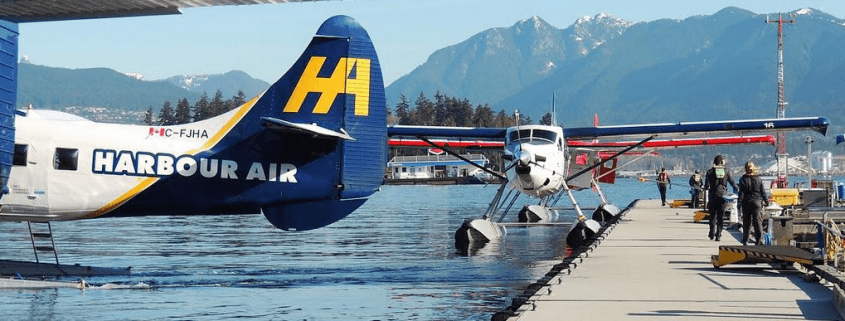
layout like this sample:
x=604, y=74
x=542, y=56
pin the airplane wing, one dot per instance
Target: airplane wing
x=732, y=127
x=655, y=143
x=817, y=124
x=452, y=132
x=466, y=144
x=39, y=10
x=679, y=142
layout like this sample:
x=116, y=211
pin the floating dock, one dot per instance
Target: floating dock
x=656, y=263
x=32, y=269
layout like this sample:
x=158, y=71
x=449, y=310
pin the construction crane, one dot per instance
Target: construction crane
x=782, y=181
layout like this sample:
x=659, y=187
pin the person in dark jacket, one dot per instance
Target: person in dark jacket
x=663, y=182
x=716, y=182
x=753, y=198
x=695, y=184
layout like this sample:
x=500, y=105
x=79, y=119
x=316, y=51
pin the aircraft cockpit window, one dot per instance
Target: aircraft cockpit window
x=521, y=134
x=550, y=136
x=66, y=159
x=21, y=152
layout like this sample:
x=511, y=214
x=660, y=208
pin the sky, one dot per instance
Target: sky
x=264, y=40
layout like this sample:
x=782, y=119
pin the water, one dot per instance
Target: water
x=393, y=259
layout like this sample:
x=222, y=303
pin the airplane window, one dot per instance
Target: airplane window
x=523, y=134
x=546, y=135
x=66, y=159
x=20, y=155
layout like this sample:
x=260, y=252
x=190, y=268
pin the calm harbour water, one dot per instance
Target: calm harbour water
x=393, y=259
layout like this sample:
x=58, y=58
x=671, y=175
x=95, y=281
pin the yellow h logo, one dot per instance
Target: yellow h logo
x=338, y=83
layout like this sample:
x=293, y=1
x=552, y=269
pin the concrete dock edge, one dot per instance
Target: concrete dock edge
x=657, y=265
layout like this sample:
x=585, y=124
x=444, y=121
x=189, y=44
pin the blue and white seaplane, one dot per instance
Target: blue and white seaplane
x=305, y=153
x=547, y=162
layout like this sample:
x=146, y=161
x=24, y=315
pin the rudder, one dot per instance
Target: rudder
x=336, y=90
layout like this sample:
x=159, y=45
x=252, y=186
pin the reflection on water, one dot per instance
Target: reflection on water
x=393, y=259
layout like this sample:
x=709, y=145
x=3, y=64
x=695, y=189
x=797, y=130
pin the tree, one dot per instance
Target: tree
x=483, y=116
x=201, y=108
x=502, y=120
x=183, y=112
x=547, y=119
x=239, y=99
x=402, y=110
x=148, y=116
x=462, y=113
x=165, y=117
x=423, y=113
x=525, y=121
x=441, y=109
x=216, y=106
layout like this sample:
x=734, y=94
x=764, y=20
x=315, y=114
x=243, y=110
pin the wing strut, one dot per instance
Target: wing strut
x=610, y=158
x=448, y=151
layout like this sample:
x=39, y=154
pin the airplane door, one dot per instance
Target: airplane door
x=28, y=178
x=607, y=172
x=581, y=159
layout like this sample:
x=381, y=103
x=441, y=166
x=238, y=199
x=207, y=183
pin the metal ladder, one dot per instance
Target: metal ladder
x=41, y=236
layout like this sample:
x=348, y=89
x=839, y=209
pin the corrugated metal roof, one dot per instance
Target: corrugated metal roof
x=52, y=10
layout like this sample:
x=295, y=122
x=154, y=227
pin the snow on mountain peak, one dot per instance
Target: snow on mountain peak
x=537, y=22
x=134, y=75
x=583, y=20
x=804, y=11
x=190, y=81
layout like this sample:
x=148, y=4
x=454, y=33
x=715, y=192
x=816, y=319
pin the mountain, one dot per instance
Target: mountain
x=499, y=62
x=54, y=88
x=701, y=68
x=59, y=88
x=706, y=67
x=228, y=83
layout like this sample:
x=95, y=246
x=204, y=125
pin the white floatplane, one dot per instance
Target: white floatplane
x=547, y=161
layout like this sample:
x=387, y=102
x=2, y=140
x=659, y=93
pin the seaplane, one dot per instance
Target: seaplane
x=305, y=153
x=546, y=162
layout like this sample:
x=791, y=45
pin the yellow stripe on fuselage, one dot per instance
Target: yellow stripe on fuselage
x=147, y=182
x=236, y=118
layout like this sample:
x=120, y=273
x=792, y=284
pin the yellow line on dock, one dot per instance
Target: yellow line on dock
x=655, y=265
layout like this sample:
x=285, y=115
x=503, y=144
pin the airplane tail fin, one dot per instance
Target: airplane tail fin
x=331, y=100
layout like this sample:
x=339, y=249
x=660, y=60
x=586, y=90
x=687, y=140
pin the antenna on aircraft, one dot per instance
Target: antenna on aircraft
x=554, y=113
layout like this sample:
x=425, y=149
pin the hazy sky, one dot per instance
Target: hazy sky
x=264, y=40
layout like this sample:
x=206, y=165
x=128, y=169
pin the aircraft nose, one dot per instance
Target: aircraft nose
x=524, y=158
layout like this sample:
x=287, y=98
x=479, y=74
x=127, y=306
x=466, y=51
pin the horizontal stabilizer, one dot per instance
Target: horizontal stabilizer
x=283, y=125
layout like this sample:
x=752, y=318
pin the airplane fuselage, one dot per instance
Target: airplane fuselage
x=539, y=165
x=67, y=167
x=307, y=152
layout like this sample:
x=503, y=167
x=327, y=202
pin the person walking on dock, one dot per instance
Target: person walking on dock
x=753, y=198
x=663, y=182
x=716, y=182
x=695, y=184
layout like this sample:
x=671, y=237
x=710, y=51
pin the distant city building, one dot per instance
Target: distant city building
x=434, y=166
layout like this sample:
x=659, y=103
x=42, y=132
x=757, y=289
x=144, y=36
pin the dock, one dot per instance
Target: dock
x=655, y=263
x=32, y=269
